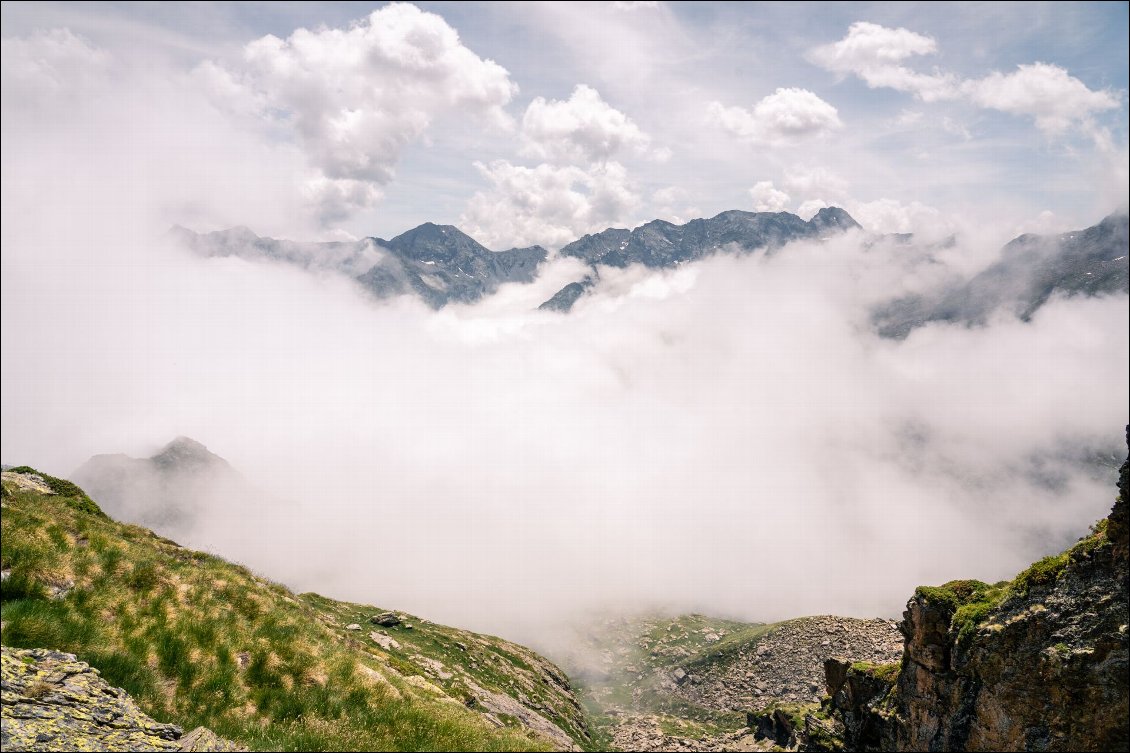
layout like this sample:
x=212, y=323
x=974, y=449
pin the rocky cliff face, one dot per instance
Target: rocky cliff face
x=1039, y=663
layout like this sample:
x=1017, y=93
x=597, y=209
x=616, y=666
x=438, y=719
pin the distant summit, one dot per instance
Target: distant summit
x=186, y=454
x=166, y=491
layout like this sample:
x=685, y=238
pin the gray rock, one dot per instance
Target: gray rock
x=387, y=619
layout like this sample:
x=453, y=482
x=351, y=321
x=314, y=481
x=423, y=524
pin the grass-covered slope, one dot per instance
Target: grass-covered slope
x=198, y=641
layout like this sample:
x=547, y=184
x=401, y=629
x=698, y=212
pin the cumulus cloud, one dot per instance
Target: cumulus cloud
x=1047, y=93
x=815, y=180
x=766, y=198
x=875, y=54
x=583, y=128
x=893, y=216
x=785, y=116
x=817, y=186
x=356, y=97
x=547, y=205
x=673, y=204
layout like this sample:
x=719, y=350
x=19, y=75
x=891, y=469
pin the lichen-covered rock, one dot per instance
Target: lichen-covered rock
x=52, y=701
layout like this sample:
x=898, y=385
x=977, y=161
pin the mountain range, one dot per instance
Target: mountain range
x=440, y=264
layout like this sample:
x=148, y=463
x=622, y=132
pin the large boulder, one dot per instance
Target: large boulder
x=52, y=701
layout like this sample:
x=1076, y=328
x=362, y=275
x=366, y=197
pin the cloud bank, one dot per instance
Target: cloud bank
x=730, y=437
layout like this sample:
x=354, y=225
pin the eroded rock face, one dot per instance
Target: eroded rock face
x=52, y=701
x=1046, y=668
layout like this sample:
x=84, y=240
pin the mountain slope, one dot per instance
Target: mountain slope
x=1031, y=269
x=198, y=641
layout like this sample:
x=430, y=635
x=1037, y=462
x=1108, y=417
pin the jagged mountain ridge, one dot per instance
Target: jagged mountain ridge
x=1031, y=269
x=440, y=264
x=660, y=244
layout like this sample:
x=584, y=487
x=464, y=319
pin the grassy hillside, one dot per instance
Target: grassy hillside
x=200, y=641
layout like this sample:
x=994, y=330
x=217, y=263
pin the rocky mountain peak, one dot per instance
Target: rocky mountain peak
x=834, y=218
x=184, y=453
x=431, y=242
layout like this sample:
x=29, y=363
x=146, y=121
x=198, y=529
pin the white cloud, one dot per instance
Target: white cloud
x=892, y=216
x=631, y=5
x=50, y=63
x=909, y=118
x=337, y=198
x=811, y=181
x=583, y=128
x=808, y=209
x=956, y=128
x=548, y=205
x=787, y=115
x=1047, y=93
x=356, y=97
x=875, y=53
x=766, y=198
x=673, y=204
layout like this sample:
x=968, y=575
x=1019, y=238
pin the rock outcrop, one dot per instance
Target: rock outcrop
x=1040, y=663
x=786, y=665
x=52, y=701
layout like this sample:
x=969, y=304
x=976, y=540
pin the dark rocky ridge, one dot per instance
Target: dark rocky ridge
x=660, y=244
x=1031, y=269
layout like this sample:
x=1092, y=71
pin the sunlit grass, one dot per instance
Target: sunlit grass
x=199, y=641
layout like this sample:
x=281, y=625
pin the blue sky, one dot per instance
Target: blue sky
x=668, y=124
